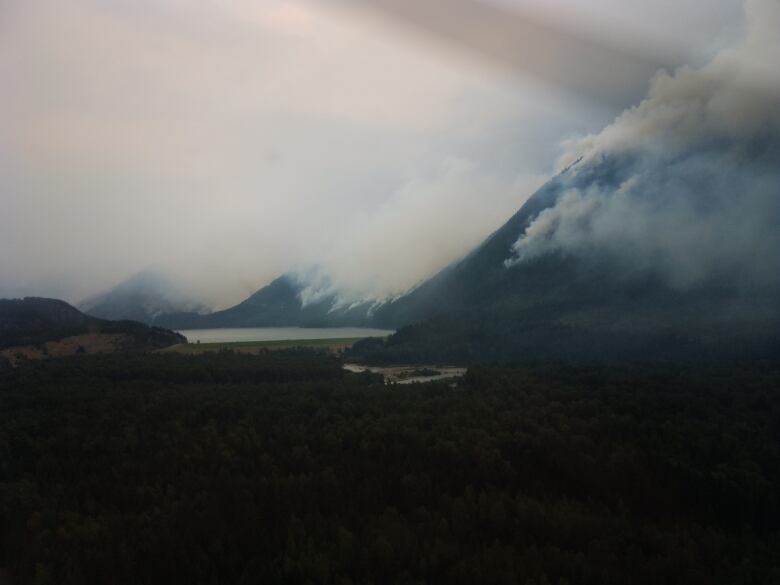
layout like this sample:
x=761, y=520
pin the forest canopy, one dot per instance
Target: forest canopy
x=282, y=468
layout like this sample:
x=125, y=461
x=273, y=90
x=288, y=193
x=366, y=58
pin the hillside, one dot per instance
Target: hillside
x=37, y=327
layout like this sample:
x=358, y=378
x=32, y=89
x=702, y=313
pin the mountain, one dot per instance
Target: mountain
x=481, y=278
x=480, y=282
x=279, y=304
x=561, y=304
x=590, y=302
x=143, y=297
x=483, y=281
x=661, y=240
x=38, y=327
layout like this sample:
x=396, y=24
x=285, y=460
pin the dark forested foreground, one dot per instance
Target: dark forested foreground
x=280, y=468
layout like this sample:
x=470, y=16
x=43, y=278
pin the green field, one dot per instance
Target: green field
x=333, y=345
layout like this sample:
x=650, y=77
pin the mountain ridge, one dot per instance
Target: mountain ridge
x=571, y=306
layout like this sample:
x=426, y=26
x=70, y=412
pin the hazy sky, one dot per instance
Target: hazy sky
x=229, y=141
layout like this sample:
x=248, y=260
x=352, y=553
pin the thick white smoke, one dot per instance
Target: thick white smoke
x=698, y=163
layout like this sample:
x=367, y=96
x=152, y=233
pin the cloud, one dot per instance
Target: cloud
x=693, y=191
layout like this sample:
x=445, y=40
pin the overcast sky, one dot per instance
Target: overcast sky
x=229, y=141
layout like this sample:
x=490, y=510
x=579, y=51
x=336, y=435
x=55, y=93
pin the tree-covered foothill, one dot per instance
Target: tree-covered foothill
x=282, y=468
x=35, y=321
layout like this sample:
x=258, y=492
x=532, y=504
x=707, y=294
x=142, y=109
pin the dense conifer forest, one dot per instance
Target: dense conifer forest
x=282, y=468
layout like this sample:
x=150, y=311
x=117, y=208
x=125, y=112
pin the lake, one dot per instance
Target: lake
x=279, y=334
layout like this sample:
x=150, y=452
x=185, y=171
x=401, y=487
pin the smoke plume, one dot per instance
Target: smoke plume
x=687, y=183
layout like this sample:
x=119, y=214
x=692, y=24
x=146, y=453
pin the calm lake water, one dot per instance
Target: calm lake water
x=278, y=334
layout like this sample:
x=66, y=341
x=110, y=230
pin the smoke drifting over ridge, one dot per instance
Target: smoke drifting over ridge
x=686, y=184
x=228, y=142
x=403, y=242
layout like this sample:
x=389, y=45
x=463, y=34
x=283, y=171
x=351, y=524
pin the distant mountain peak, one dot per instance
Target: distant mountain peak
x=144, y=296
